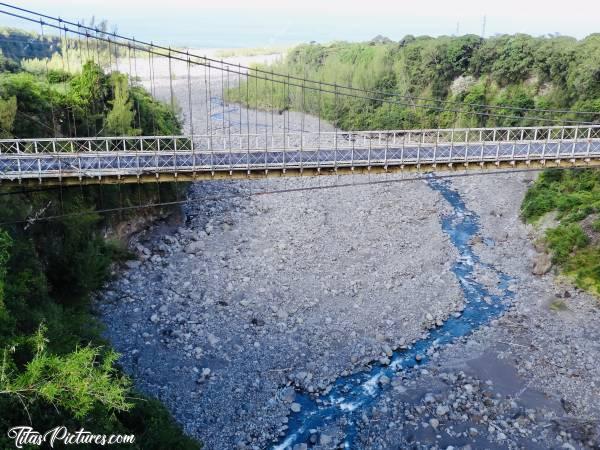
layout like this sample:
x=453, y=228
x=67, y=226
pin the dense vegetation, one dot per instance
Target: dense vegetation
x=55, y=368
x=504, y=72
x=575, y=242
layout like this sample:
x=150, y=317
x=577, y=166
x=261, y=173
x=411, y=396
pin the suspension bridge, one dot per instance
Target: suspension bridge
x=238, y=149
x=164, y=158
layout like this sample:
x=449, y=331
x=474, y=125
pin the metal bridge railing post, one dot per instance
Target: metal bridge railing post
x=435, y=147
x=403, y=148
x=119, y=157
x=247, y=157
x=335, y=147
x=385, y=155
x=18, y=161
x=137, y=157
x=560, y=142
x=193, y=149
x=352, y=153
x=59, y=160
x=89, y=147
x=512, y=155
x=35, y=147
x=545, y=143
x=497, y=148
x=175, y=155
x=574, y=142
x=369, y=154
x=156, y=152
x=284, y=144
x=466, y=146
x=451, y=145
x=482, y=143
x=589, y=139
x=301, y=150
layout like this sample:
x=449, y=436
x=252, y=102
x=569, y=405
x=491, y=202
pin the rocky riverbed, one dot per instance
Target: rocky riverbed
x=255, y=298
x=528, y=380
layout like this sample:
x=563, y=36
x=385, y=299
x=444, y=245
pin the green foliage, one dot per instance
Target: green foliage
x=49, y=270
x=76, y=381
x=584, y=268
x=575, y=195
x=5, y=243
x=91, y=102
x=58, y=76
x=507, y=71
x=8, y=112
x=564, y=240
x=119, y=121
x=154, y=428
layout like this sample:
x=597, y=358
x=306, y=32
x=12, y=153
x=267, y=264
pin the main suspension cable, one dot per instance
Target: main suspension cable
x=323, y=83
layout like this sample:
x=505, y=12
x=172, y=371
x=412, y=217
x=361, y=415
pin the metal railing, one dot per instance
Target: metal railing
x=120, y=156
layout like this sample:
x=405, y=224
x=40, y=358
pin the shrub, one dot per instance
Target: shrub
x=565, y=239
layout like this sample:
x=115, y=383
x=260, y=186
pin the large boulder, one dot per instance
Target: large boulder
x=542, y=264
x=194, y=247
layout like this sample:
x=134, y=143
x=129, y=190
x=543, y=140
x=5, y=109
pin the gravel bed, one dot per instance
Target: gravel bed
x=254, y=296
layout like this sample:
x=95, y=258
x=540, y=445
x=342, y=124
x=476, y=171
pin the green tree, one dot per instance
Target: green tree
x=119, y=120
x=5, y=243
x=76, y=382
x=8, y=112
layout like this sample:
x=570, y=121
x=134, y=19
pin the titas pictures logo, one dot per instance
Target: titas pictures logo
x=24, y=435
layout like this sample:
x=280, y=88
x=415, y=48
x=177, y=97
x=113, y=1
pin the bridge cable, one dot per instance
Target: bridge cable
x=409, y=97
x=385, y=100
x=48, y=78
x=365, y=90
x=270, y=192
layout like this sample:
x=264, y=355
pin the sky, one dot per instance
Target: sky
x=251, y=23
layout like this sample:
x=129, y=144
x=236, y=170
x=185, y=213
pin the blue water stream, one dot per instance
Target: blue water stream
x=351, y=396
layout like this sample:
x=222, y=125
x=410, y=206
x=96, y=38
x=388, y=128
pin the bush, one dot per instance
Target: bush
x=564, y=240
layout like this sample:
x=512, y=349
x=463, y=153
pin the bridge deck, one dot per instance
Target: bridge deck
x=90, y=160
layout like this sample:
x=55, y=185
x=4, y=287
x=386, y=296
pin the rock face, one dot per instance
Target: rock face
x=542, y=264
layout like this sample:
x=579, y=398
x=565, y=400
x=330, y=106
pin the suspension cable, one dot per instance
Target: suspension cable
x=323, y=83
x=407, y=97
x=370, y=182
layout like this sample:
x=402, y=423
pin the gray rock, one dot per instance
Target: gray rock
x=133, y=264
x=325, y=439
x=194, y=247
x=288, y=395
x=442, y=410
x=542, y=264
